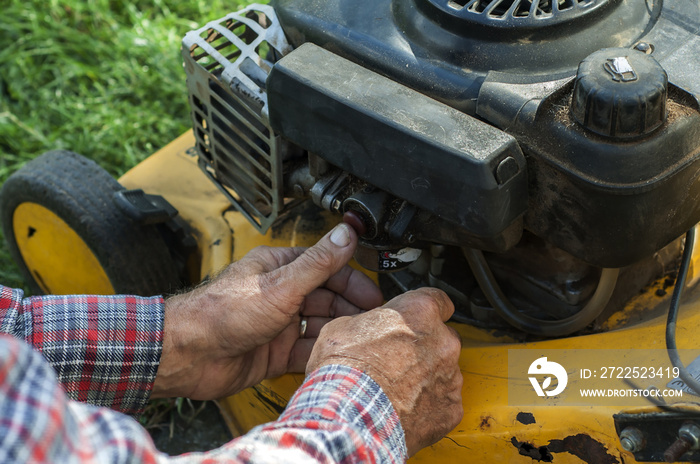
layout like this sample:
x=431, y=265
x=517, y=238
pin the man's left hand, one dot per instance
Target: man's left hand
x=244, y=325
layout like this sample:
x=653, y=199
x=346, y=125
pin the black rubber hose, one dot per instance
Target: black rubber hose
x=673, y=313
x=545, y=328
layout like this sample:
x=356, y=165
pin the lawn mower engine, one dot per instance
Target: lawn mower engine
x=535, y=159
x=538, y=160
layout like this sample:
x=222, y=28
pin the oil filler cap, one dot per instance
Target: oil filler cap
x=620, y=93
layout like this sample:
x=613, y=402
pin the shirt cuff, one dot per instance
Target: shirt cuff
x=105, y=349
x=341, y=394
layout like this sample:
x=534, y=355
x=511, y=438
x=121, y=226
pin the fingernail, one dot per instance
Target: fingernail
x=340, y=235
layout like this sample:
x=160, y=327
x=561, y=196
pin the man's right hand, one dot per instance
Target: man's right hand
x=409, y=351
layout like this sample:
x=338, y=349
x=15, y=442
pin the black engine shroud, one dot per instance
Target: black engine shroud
x=609, y=199
x=528, y=143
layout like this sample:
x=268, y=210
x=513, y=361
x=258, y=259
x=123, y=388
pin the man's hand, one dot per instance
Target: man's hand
x=408, y=350
x=243, y=326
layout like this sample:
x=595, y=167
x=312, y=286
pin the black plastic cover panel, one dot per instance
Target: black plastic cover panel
x=434, y=156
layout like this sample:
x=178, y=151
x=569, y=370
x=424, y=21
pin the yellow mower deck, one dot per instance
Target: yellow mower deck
x=491, y=430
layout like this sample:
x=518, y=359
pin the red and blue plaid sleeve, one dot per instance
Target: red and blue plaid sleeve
x=338, y=415
x=39, y=424
x=105, y=349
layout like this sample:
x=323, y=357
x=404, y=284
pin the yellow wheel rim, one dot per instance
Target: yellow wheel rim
x=59, y=260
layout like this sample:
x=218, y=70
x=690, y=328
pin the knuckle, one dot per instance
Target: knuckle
x=317, y=259
x=346, y=278
x=334, y=305
x=278, y=295
x=436, y=295
x=422, y=299
x=455, y=408
x=451, y=352
x=459, y=383
x=270, y=281
x=453, y=342
x=258, y=250
x=432, y=300
x=457, y=415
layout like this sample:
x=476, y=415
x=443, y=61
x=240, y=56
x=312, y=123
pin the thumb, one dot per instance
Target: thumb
x=317, y=264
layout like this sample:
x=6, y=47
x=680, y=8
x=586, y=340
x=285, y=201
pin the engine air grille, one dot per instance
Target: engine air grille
x=227, y=62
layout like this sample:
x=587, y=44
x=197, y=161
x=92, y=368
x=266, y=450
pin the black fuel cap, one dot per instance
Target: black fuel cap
x=620, y=92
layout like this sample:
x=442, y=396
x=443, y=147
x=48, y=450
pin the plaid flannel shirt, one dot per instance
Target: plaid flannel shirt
x=105, y=350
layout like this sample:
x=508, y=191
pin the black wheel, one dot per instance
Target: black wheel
x=67, y=236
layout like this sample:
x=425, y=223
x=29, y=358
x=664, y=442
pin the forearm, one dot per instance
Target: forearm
x=105, y=350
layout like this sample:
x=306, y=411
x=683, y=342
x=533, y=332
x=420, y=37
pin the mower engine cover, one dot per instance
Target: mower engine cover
x=416, y=148
x=600, y=95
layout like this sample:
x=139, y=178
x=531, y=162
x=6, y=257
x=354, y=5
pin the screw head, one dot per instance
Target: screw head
x=644, y=48
x=632, y=439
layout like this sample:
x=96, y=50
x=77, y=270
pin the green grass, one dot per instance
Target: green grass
x=102, y=78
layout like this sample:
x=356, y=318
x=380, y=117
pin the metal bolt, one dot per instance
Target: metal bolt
x=688, y=439
x=644, y=48
x=690, y=433
x=676, y=450
x=632, y=439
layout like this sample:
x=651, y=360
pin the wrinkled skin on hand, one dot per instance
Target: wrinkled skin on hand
x=243, y=326
x=409, y=351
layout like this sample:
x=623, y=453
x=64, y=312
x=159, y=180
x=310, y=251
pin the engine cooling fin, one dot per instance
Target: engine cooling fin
x=514, y=13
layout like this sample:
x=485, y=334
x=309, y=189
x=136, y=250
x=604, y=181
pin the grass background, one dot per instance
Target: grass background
x=102, y=78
